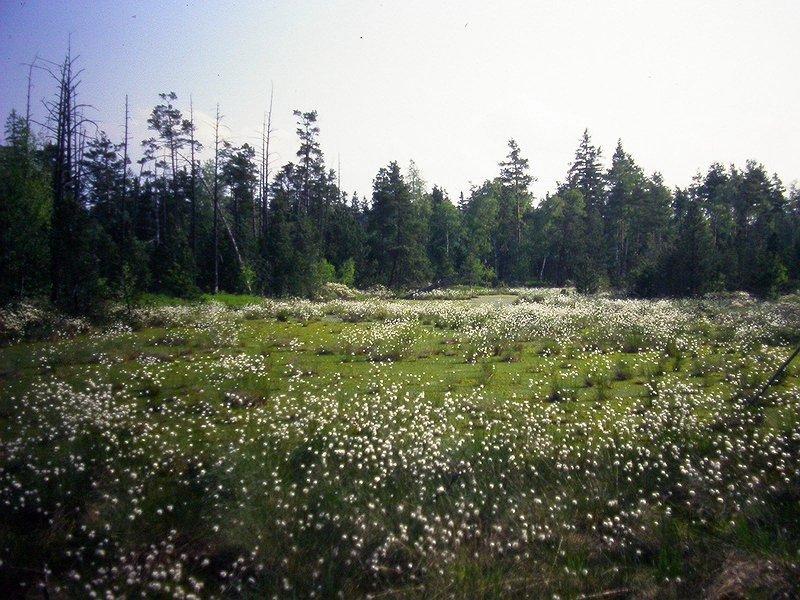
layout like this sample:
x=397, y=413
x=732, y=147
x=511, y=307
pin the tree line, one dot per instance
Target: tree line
x=81, y=222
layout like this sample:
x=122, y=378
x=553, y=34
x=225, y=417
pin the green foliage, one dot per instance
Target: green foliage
x=151, y=300
x=25, y=207
x=770, y=275
x=112, y=233
x=235, y=301
x=444, y=237
x=397, y=250
x=347, y=272
x=178, y=281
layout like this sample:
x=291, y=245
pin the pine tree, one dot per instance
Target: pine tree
x=172, y=260
x=310, y=168
x=278, y=241
x=103, y=166
x=716, y=191
x=239, y=176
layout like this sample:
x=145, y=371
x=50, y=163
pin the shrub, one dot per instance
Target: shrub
x=347, y=272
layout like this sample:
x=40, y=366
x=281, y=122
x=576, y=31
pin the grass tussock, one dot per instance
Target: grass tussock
x=460, y=446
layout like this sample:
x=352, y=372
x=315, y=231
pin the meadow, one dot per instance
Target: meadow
x=456, y=443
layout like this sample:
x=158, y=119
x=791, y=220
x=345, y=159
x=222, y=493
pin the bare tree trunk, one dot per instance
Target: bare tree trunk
x=61, y=173
x=262, y=197
x=193, y=193
x=125, y=178
x=65, y=236
x=157, y=204
x=266, y=158
x=216, y=202
x=28, y=96
x=239, y=258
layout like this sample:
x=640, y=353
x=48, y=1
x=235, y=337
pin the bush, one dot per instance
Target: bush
x=179, y=282
x=347, y=272
x=326, y=272
x=476, y=273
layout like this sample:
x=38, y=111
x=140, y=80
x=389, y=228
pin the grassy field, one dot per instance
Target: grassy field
x=526, y=444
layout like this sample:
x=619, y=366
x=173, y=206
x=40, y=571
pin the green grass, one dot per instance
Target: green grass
x=298, y=456
x=158, y=300
x=231, y=300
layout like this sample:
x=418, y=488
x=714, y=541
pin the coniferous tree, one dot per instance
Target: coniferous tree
x=760, y=205
x=585, y=175
x=172, y=261
x=444, y=237
x=565, y=241
x=514, y=203
x=103, y=168
x=481, y=223
x=344, y=238
x=235, y=228
x=691, y=266
x=25, y=205
x=73, y=266
x=624, y=182
x=239, y=176
x=281, y=278
x=397, y=246
x=717, y=191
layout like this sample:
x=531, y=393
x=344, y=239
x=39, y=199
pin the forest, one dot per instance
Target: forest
x=83, y=223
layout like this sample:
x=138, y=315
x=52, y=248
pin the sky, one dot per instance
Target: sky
x=683, y=84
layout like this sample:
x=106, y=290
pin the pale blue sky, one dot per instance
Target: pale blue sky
x=682, y=83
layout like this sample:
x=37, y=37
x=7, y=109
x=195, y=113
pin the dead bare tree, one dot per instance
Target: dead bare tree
x=239, y=259
x=215, y=200
x=67, y=124
x=193, y=191
x=31, y=66
x=266, y=133
x=124, y=195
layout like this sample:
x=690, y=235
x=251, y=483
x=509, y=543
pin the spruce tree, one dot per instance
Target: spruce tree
x=25, y=205
x=514, y=204
x=444, y=235
x=397, y=246
x=585, y=175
